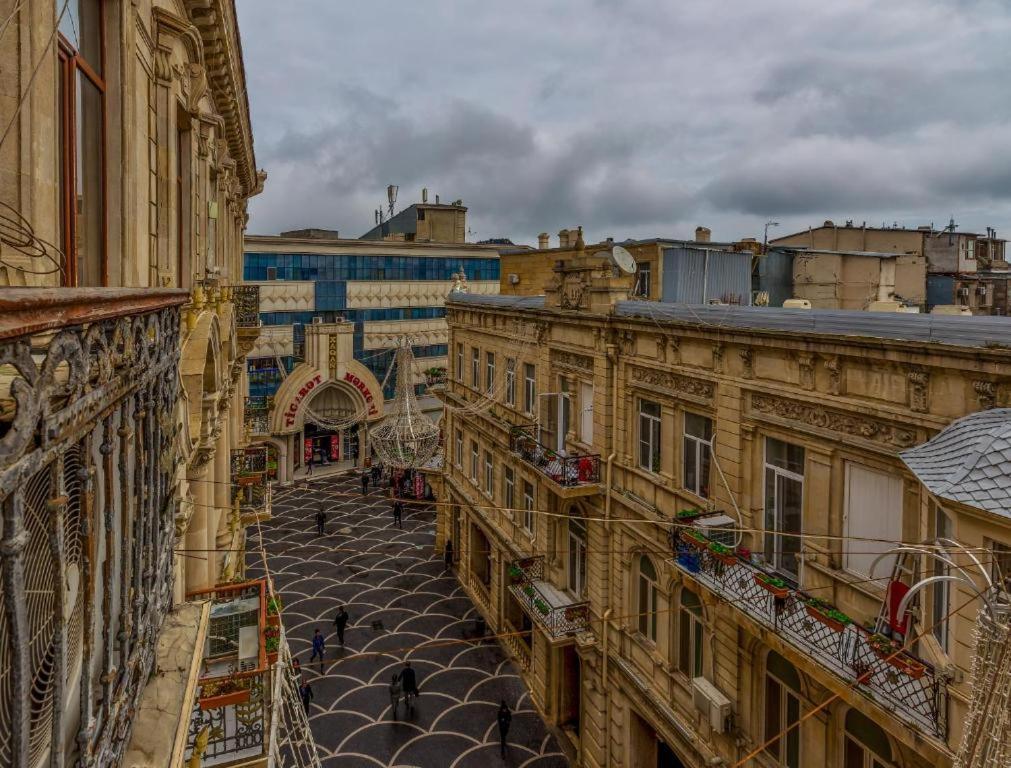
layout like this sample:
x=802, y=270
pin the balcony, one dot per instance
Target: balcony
x=247, y=305
x=249, y=475
x=235, y=705
x=552, y=609
x=898, y=682
x=88, y=389
x=256, y=415
x=573, y=475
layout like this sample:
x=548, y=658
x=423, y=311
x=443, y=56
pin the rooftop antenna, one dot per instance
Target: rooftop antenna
x=391, y=196
x=952, y=226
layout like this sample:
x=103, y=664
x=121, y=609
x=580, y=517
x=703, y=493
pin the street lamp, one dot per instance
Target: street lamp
x=765, y=239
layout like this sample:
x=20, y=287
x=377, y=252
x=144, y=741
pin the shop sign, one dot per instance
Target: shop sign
x=366, y=393
x=335, y=448
x=309, y=386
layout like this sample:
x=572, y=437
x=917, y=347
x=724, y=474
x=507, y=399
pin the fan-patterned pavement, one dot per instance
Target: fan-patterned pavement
x=401, y=605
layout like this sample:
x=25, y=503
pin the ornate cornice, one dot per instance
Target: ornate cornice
x=572, y=360
x=853, y=425
x=673, y=383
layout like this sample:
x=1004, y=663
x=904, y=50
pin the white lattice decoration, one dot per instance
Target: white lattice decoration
x=406, y=439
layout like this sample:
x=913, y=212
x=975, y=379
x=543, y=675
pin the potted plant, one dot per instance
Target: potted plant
x=542, y=607
x=695, y=539
x=827, y=614
x=743, y=553
x=891, y=652
x=528, y=590
x=274, y=610
x=271, y=643
x=722, y=553
x=222, y=693
x=689, y=560
x=773, y=584
x=687, y=515
x=515, y=573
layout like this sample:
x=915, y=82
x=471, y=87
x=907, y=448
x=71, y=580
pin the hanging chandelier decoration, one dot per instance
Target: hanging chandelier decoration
x=407, y=438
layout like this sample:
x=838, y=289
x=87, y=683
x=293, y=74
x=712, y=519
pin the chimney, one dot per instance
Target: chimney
x=424, y=194
x=436, y=199
x=543, y=241
x=702, y=234
x=563, y=238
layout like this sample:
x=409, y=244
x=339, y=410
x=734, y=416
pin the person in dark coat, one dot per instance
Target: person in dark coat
x=448, y=555
x=365, y=483
x=409, y=680
x=377, y=472
x=320, y=520
x=341, y=621
x=308, y=467
x=318, y=648
x=305, y=691
x=505, y=718
x=398, y=513
x=296, y=668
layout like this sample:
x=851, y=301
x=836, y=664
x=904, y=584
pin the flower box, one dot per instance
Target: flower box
x=722, y=553
x=528, y=590
x=689, y=561
x=240, y=696
x=695, y=539
x=687, y=515
x=516, y=574
x=892, y=653
x=832, y=618
x=772, y=584
x=542, y=607
x=273, y=620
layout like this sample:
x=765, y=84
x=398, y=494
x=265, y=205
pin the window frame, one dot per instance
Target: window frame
x=508, y=489
x=70, y=64
x=529, y=500
x=691, y=637
x=459, y=361
x=529, y=388
x=647, y=599
x=576, y=561
x=475, y=459
x=773, y=536
x=654, y=442
x=489, y=474
x=489, y=372
x=510, y=381
x=645, y=268
x=772, y=728
x=459, y=448
x=475, y=367
x=695, y=446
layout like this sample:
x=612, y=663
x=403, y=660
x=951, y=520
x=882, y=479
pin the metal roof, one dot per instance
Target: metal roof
x=978, y=331
x=969, y=461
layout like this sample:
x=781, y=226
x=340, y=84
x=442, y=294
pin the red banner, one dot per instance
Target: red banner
x=308, y=451
x=335, y=448
x=419, y=486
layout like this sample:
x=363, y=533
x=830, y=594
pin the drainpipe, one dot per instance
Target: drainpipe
x=612, y=357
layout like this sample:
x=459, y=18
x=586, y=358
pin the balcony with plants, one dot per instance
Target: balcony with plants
x=555, y=611
x=572, y=474
x=249, y=477
x=873, y=664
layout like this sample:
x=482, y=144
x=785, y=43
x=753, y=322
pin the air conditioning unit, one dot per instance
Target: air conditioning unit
x=713, y=703
x=317, y=320
x=721, y=528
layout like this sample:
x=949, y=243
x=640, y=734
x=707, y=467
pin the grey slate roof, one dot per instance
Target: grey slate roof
x=977, y=332
x=969, y=461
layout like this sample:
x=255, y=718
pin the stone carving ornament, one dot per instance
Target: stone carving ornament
x=854, y=425
x=673, y=383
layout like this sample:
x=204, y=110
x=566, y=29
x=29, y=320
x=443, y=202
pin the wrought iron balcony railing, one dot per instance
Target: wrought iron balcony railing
x=898, y=682
x=249, y=476
x=247, y=305
x=565, y=470
x=256, y=415
x=235, y=702
x=88, y=389
x=554, y=610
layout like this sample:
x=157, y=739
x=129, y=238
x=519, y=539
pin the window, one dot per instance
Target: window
x=82, y=142
x=940, y=603
x=649, y=435
x=473, y=462
x=489, y=377
x=510, y=382
x=690, y=644
x=1000, y=570
x=577, y=555
x=475, y=367
x=643, y=279
x=586, y=413
x=866, y=744
x=528, y=507
x=459, y=362
x=970, y=249
x=272, y=273
x=489, y=474
x=872, y=515
x=697, y=454
x=458, y=453
x=784, y=500
x=648, y=588
x=564, y=413
x=782, y=710
x=509, y=489
x=529, y=388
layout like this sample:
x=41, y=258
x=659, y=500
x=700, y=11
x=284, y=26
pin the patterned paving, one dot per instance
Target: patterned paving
x=390, y=575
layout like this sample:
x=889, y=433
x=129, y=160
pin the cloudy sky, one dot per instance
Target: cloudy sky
x=632, y=118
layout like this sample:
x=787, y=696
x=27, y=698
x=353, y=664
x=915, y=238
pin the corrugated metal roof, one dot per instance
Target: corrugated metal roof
x=969, y=461
x=496, y=300
x=937, y=329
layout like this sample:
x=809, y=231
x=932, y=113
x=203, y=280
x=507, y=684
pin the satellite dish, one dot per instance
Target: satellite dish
x=623, y=260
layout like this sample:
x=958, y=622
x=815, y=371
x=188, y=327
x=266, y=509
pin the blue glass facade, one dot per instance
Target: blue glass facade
x=331, y=272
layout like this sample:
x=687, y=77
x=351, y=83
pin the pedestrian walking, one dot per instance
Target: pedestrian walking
x=308, y=467
x=365, y=483
x=409, y=681
x=505, y=718
x=448, y=555
x=296, y=668
x=320, y=520
x=305, y=691
x=398, y=513
x=318, y=648
x=377, y=471
x=341, y=621
x=395, y=689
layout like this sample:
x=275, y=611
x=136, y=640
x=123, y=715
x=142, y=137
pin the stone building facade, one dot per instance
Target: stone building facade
x=125, y=171
x=619, y=482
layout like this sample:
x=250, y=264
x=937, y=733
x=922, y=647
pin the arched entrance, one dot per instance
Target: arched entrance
x=332, y=426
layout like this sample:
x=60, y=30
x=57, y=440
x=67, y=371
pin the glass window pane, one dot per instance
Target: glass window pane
x=772, y=713
x=793, y=735
x=684, y=643
x=89, y=214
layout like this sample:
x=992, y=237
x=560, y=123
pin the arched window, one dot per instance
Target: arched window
x=647, y=598
x=866, y=744
x=782, y=710
x=690, y=634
